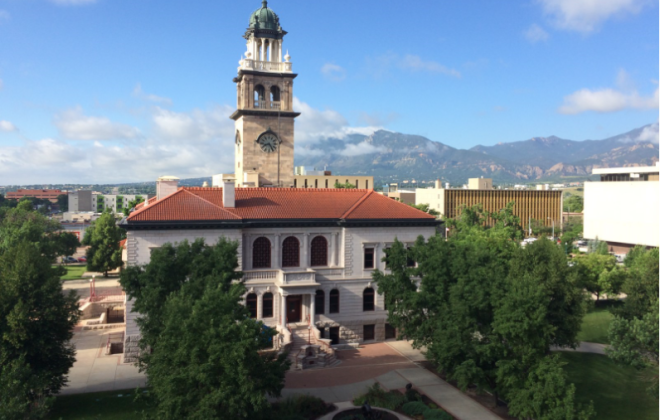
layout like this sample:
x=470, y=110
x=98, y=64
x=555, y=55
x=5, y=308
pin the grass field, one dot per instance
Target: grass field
x=74, y=272
x=595, y=325
x=98, y=406
x=618, y=392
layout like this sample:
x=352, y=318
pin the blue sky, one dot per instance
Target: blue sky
x=127, y=90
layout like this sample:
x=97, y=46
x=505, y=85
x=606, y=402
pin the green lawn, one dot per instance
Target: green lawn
x=618, y=392
x=74, y=272
x=98, y=406
x=595, y=325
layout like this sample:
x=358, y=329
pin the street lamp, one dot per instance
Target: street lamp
x=553, y=228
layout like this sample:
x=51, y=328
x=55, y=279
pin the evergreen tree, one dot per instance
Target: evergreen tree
x=104, y=253
x=198, y=336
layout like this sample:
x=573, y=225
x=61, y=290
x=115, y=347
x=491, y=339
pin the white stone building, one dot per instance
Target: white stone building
x=307, y=254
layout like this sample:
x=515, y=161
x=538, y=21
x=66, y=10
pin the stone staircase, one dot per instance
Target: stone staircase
x=306, y=353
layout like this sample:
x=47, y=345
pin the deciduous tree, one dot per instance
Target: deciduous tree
x=200, y=336
x=104, y=253
x=131, y=205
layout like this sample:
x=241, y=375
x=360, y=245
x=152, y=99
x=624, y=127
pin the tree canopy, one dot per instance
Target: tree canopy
x=488, y=311
x=104, y=252
x=200, y=336
x=131, y=205
x=36, y=317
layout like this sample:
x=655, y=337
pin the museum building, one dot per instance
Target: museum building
x=307, y=254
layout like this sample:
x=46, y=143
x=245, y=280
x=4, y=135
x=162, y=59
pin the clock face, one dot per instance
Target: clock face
x=268, y=142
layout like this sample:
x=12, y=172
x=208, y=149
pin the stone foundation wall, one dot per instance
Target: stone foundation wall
x=352, y=332
x=131, y=348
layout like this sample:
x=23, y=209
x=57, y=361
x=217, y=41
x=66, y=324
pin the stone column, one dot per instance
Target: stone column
x=334, y=251
x=312, y=308
x=276, y=260
x=283, y=309
x=305, y=253
x=279, y=51
x=270, y=50
x=260, y=306
x=262, y=45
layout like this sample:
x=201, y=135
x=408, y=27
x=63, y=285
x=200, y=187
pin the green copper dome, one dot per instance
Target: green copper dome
x=265, y=19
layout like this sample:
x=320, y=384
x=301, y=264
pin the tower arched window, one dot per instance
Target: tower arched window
x=261, y=253
x=274, y=94
x=291, y=252
x=267, y=305
x=368, y=298
x=319, y=251
x=334, y=301
x=259, y=96
x=251, y=304
x=319, y=302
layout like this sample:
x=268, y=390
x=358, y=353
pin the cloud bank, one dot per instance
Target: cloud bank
x=588, y=15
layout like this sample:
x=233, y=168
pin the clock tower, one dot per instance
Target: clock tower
x=264, y=115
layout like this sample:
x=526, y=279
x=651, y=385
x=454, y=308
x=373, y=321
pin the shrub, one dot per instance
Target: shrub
x=414, y=408
x=378, y=397
x=436, y=414
x=413, y=395
x=300, y=407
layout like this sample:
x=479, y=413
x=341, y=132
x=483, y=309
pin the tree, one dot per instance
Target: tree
x=574, y=204
x=68, y=243
x=347, y=185
x=506, y=221
x=594, y=272
x=547, y=395
x=36, y=326
x=200, y=335
x=23, y=223
x=632, y=255
x=426, y=209
x=641, y=286
x=131, y=205
x=63, y=202
x=484, y=321
x=635, y=342
x=104, y=253
x=21, y=392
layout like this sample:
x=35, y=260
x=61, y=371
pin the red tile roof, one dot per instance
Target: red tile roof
x=205, y=204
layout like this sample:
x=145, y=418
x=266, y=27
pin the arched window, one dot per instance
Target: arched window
x=261, y=253
x=291, y=252
x=259, y=96
x=251, y=303
x=320, y=302
x=334, y=301
x=357, y=183
x=267, y=305
x=319, y=251
x=367, y=184
x=316, y=183
x=326, y=183
x=274, y=94
x=368, y=299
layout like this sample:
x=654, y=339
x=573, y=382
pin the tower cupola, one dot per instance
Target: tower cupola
x=264, y=38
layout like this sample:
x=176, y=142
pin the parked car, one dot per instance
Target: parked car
x=82, y=259
x=581, y=242
x=69, y=259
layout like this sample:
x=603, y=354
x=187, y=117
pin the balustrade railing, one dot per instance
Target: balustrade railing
x=267, y=105
x=275, y=66
x=259, y=275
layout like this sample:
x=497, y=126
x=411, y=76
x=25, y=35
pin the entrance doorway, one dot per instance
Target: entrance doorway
x=294, y=308
x=334, y=335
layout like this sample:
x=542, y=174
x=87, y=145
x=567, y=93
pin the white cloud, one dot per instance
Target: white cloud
x=363, y=148
x=139, y=93
x=196, y=125
x=649, y=133
x=535, y=34
x=333, y=72
x=416, y=63
x=379, y=66
x=587, y=15
x=72, y=2
x=606, y=100
x=4, y=16
x=7, y=126
x=75, y=125
x=603, y=100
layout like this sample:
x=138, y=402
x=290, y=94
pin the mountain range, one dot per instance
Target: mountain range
x=391, y=157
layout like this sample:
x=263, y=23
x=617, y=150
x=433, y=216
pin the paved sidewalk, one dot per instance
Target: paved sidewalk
x=93, y=371
x=585, y=347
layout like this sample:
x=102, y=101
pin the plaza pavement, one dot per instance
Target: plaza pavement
x=94, y=371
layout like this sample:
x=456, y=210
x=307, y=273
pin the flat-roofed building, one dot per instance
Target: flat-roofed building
x=328, y=181
x=542, y=206
x=623, y=208
x=50, y=195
